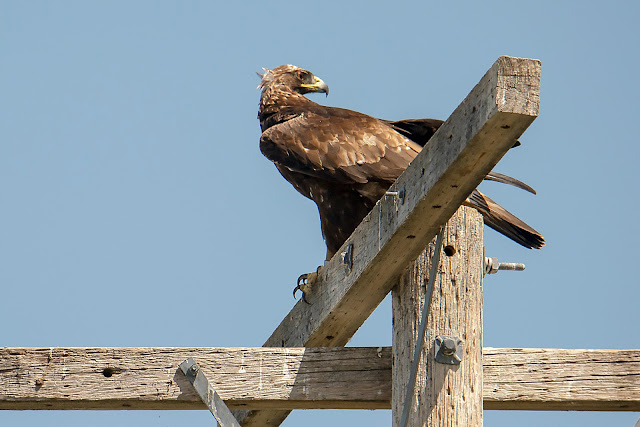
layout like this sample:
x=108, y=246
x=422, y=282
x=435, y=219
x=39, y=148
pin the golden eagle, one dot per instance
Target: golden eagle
x=345, y=161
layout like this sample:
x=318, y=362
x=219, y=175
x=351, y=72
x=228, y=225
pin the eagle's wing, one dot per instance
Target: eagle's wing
x=419, y=131
x=339, y=146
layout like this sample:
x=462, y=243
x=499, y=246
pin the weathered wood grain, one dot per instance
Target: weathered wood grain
x=562, y=380
x=303, y=378
x=444, y=395
x=149, y=378
x=454, y=162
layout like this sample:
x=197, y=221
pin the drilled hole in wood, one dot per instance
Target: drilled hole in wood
x=505, y=126
x=107, y=372
x=411, y=236
x=329, y=337
x=449, y=250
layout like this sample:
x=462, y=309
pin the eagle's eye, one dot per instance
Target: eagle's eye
x=301, y=75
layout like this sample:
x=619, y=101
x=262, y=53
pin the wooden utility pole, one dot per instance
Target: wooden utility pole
x=444, y=395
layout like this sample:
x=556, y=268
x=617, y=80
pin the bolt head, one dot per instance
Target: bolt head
x=448, y=346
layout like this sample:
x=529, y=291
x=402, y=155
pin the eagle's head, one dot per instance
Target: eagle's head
x=290, y=77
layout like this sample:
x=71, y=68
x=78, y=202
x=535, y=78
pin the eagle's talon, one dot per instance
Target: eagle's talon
x=305, y=281
x=304, y=298
x=301, y=285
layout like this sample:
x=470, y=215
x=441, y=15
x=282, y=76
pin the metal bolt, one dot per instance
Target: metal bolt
x=512, y=266
x=492, y=266
x=194, y=369
x=448, y=346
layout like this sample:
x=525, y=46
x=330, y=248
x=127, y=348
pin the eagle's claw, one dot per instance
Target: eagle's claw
x=305, y=281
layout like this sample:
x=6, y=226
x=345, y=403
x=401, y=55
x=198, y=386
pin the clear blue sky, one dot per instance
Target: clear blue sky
x=130, y=172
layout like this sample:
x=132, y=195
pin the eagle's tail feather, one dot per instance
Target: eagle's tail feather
x=506, y=179
x=504, y=222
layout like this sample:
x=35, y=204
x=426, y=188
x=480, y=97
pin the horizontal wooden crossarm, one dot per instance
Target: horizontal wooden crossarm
x=149, y=378
x=303, y=378
x=561, y=380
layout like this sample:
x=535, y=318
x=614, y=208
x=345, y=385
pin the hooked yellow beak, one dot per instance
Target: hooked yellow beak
x=317, y=86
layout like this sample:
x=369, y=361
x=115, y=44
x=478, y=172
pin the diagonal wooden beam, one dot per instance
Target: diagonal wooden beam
x=303, y=378
x=454, y=162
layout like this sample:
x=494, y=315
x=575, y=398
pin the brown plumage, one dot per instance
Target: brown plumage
x=345, y=161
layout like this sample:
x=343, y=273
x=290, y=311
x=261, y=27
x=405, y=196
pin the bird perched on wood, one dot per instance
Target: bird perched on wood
x=345, y=161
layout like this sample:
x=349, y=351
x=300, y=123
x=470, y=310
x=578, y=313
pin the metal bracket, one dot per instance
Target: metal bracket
x=208, y=395
x=448, y=350
x=400, y=194
x=346, y=257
